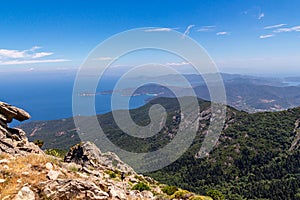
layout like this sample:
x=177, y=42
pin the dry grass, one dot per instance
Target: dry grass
x=14, y=175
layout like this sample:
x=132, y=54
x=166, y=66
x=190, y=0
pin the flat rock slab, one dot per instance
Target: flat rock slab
x=11, y=112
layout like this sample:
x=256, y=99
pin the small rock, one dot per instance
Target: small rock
x=2, y=180
x=149, y=179
x=146, y=194
x=6, y=197
x=25, y=194
x=49, y=166
x=25, y=173
x=106, y=176
x=53, y=175
x=5, y=167
x=133, y=180
x=4, y=161
x=117, y=193
x=3, y=119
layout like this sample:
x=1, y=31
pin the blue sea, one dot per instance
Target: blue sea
x=48, y=96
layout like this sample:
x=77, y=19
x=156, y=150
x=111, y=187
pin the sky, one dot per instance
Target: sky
x=246, y=36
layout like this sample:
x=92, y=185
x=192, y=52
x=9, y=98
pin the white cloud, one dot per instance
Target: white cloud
x=6, y=53
x=28, y=56
x=41, y=54
x=222, y=33
x=159, y=30
x=177, y=64
x=274, y=26
x=266, y=36
x=104, y=58
x=29, y=53
x=261, y=15
x=187, y=30
x=20, y=62
x=291, y=29
x=206, y=28
x=34, y=48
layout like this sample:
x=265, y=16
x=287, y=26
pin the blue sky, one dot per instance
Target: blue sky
x=246, y=36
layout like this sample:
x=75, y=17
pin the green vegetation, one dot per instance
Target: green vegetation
x=215, y=194
x=252, y=160
x=111, y=174
x=39, y=143
x=169, y=190
x=56, y=152
x=180, y=194
x=141, y=186
x=197, y=197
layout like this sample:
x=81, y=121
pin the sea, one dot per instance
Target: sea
x=48, y=96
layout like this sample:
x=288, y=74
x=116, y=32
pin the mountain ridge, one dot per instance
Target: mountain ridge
x=253, y=152
x=27, y=173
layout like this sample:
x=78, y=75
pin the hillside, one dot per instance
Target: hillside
x=257, y=156
x=28, y=173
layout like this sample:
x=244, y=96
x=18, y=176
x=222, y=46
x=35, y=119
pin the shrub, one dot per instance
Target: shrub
x=39, y=143
x=111, y=174
x=73, y=168
x=197, y=197
x=215, y=194
x=56, y=152
x=180, y=194
x=141, y=186
x=169, y=190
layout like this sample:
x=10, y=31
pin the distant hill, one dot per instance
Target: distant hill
x=257, y=155
x=242, y=94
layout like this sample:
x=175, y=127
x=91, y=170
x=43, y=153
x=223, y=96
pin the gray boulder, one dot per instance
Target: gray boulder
x=13, y=140
x=88, y=154
x=11, y=112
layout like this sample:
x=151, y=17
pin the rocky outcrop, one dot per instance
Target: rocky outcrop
x=73, y=189
x=13, y=140
x=295, y=144
x=88, y=155
x=11, y=112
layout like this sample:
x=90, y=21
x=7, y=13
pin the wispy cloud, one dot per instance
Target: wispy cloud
x=222, y=33
x=187, y=30
x=20, y=62
x=41, y=54
x=177, y=64
x=266, y=36
x=261, y=15
x=159, y=30
x=104, y=58
x=291, y=29
x=29, y=53
x=255, y=12
x=274, y=26
x=28, y=56
x=6, y=53
x=206, y=28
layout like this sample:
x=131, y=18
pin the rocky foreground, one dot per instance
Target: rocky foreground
x=27, y=173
